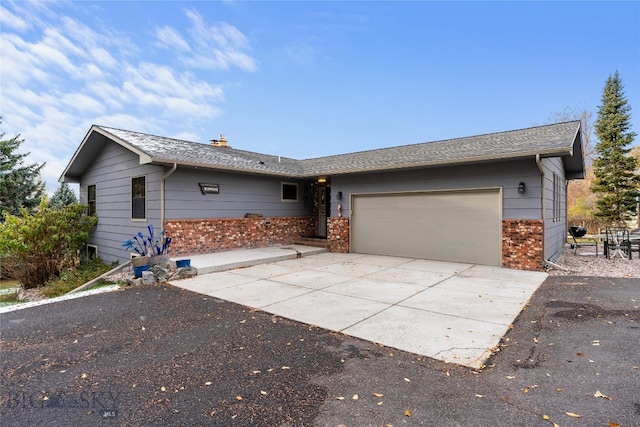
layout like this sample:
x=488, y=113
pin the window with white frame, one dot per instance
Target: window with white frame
x=557, y=201
x=91, y=200
x=92, y=251
x=289, y=192
x=139, y=197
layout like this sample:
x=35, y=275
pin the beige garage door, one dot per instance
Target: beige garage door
x=460, y=226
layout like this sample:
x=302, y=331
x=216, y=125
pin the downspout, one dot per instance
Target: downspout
x=164, y=177
x=541, y=168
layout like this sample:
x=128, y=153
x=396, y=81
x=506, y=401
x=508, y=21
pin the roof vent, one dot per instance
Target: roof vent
x=222, y=142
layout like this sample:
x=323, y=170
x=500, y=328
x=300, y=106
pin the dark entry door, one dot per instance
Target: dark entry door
x=321, y=225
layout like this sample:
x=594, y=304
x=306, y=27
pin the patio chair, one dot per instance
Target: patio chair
x=578, y=232
x=617, y=243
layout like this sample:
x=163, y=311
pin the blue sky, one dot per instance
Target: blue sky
x=305, y=79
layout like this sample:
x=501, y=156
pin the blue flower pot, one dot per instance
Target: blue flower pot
x=137, y=271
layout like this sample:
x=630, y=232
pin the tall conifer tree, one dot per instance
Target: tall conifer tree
x=20, y=186
x=62, y=197
x=616, y=180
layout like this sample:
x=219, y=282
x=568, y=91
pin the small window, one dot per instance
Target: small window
x=91, y=200
x=138, y=198
x=557, y=203
x=92, y=252
x=289, y=192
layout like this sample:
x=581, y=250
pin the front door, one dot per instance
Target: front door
x=321, y=210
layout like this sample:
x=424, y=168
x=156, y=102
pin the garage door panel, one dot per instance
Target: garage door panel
x=461, y=226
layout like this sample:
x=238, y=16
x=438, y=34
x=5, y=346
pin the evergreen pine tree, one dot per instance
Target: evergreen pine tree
x=20, y=186
x=62, y=197
x=616, y=181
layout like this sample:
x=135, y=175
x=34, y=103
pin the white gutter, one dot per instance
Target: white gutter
x=164, y=177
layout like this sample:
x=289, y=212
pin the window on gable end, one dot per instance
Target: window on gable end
x=139, y=197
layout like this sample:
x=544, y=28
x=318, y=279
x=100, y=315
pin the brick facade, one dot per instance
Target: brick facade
x=522, y=240
x=523, y=244
x=338, y=234
x=201, y=236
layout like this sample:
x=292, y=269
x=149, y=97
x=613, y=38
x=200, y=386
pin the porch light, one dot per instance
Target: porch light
x=521, y=188
x=322, y=180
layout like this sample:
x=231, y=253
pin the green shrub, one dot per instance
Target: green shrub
x=69, y=279
x=36, y=247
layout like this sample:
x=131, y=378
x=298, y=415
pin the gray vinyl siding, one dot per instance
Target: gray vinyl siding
x=239, y=195
x=505, y=175
x=114, y=167
x=555, y=231
x=111, y=172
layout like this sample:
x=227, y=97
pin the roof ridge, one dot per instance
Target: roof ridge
x=444, y=140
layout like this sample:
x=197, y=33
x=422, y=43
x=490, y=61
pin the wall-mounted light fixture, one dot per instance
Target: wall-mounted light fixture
x=521, y=188
x=339, y=195
x=322, y=180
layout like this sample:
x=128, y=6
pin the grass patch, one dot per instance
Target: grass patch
x=8, y=284
x=8, y=299
x=71, y=279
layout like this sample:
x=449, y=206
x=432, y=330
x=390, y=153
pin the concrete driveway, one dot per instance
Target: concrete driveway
x=447, y=311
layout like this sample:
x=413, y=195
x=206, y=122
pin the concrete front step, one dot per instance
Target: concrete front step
x=311, y=241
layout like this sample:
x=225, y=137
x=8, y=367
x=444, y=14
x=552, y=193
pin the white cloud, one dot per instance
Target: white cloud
x=83, y=103
x=60, y=75
x=9, y=20
x=219, y=46
x=102, y=58
x=171, y=39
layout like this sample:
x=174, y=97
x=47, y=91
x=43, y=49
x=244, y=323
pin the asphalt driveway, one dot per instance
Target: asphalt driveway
x=163, y=356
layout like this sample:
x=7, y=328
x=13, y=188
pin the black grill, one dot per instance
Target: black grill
x=577, y=231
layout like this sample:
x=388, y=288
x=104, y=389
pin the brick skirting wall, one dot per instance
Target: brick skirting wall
x=201, y=236
x=523, y=244
x=338, y=234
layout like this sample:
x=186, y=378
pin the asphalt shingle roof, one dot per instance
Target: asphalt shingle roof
x=555, y=139
x=549, y=140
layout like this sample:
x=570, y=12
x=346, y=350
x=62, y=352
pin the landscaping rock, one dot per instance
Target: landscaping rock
x=184, y=273
x=160, y=274
x=132, y=281
x=148, y=278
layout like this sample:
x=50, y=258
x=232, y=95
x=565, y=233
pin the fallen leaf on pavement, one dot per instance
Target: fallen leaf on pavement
x=355, y=397
x=599, y=394
x=572, y=415
x=378, y=394
x=613, y=425
x=407, y=412
x=407, y=380
x=340, y=397
x=479, y=395
x=238, y=397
